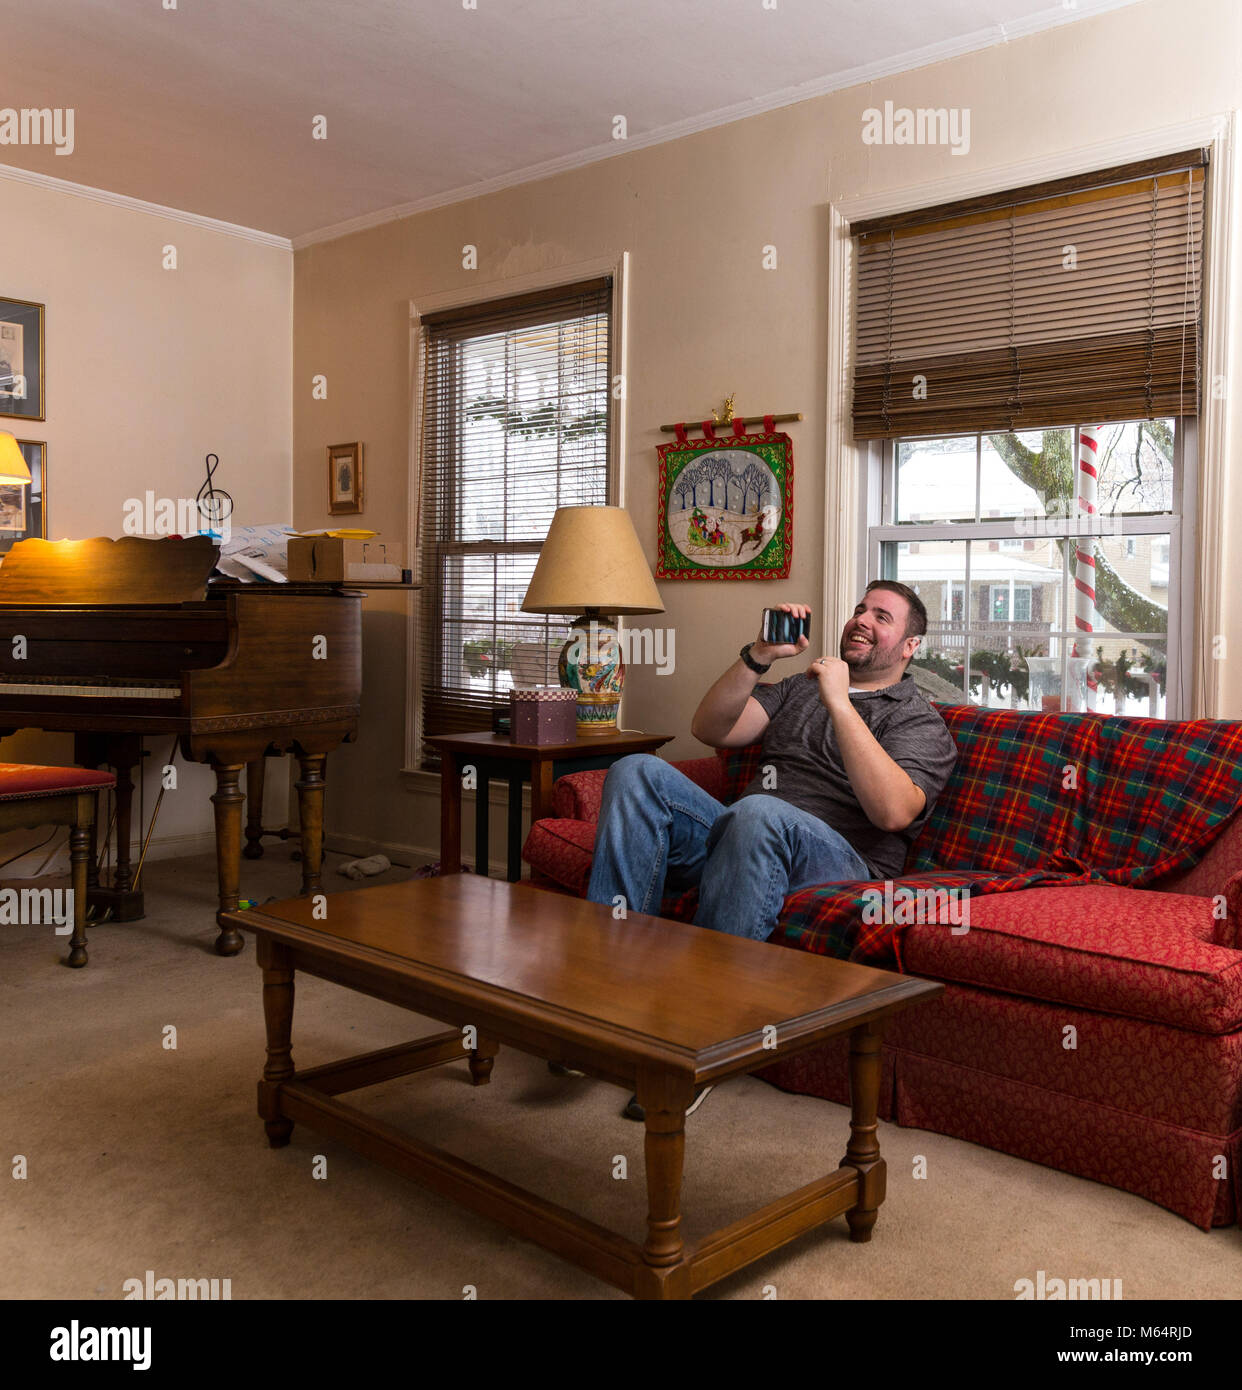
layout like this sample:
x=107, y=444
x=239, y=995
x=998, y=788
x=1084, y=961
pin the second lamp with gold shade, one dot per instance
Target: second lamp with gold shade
x=13, y=465
x=592, y=565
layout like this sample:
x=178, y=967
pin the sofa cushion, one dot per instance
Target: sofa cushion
x=708, y=773
x=739, y=765
x=1159, y=789
x=1006, y=808
x=1132, y=801
x=1122, y=951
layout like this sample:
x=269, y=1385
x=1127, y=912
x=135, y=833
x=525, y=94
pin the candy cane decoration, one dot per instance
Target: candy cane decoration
x=1084, y=553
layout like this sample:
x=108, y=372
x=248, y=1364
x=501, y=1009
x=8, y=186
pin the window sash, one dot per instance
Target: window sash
x=882, y=532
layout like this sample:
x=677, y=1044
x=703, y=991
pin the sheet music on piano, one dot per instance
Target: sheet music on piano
x=257, y=553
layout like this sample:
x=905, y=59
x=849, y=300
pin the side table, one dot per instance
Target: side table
x=540, y=764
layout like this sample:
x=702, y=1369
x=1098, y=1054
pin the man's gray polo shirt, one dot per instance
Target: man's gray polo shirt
x=800, y=746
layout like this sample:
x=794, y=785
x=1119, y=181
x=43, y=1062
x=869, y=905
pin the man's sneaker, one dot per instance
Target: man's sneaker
x=560, y=1069
x=634, y=1111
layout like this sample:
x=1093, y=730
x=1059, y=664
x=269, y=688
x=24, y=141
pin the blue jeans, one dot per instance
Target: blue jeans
x=656, y=824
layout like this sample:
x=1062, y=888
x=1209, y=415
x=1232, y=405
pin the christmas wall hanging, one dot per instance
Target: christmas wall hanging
x=726, y=501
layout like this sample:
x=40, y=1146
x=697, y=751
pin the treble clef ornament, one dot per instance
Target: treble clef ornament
x=215, y=506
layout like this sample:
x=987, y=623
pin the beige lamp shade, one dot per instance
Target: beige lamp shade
x=592, y=560
x=13, y=467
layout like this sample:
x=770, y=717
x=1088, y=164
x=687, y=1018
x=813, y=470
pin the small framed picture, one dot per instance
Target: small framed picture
x=344, y=478
x=21, y=360
x=23, y=506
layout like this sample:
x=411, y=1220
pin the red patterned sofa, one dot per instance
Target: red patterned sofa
x=1092, y=1016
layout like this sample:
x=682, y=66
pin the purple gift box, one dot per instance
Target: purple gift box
x=543, y=714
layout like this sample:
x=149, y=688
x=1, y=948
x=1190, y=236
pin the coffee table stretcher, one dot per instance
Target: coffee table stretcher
x=661, y=1268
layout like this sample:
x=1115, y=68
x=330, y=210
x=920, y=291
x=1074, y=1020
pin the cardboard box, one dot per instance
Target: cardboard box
x=334, y=560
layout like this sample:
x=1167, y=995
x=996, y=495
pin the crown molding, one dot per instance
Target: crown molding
x=1082, y=159
x=122, y=200
x=1050, y=18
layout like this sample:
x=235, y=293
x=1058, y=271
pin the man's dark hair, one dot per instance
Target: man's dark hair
x=916, y=622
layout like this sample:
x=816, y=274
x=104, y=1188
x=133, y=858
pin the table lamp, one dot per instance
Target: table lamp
x=13, y=466
x=592, y=564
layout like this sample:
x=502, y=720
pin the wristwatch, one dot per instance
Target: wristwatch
x=751, y=662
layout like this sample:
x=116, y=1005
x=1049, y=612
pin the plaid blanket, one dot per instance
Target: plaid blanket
x=1035, y=800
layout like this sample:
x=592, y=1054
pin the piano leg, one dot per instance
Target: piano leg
x=92, y=864
x=255, y=770
x=310, y=817
x=227, y=802
x=79, y=854
x=123, y=753
x=126, y=759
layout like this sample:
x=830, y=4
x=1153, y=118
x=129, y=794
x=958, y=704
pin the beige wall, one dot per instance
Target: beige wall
x=705, y=318
x=148, y=370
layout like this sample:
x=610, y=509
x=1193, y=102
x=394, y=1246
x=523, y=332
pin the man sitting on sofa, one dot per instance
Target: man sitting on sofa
x=854, y=759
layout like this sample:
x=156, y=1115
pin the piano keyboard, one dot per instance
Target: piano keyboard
x=100, y=692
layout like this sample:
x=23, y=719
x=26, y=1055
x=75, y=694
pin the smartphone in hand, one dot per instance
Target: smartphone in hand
x=781, y=628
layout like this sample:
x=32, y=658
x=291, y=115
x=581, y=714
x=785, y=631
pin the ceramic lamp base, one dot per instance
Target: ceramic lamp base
x=597, y=715
x=590, y=663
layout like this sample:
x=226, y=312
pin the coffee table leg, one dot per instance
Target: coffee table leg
x=482, y=1059
x=664, y=1099
x=278, y=1015
x=863, y=1150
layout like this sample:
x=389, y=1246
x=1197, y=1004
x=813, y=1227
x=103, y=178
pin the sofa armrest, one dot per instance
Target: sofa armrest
x=1228, y=928
x=1218, y=875
x=1222, y=862
x=577, y=795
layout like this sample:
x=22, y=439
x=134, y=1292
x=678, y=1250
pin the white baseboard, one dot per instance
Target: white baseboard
x=414, y=855
x=165, y=847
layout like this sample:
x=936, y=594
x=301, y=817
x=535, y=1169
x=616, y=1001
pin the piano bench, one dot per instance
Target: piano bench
x=34, y=796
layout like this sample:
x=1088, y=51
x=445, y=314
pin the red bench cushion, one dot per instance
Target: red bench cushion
x=24, y=780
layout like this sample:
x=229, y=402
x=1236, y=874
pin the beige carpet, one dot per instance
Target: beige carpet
x=144, y=1158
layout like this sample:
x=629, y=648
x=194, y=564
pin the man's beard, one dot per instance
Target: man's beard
x=862, y=661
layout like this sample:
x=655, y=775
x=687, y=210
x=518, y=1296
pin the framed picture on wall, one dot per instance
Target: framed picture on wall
x=23, y=506
x=21, y=360
x=344, y=478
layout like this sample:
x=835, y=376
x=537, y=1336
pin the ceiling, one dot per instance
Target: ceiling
x=209, y=107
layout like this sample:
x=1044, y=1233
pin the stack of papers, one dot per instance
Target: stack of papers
x=257, y=552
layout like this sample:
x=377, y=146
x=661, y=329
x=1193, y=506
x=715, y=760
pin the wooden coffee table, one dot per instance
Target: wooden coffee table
x=654, y=1006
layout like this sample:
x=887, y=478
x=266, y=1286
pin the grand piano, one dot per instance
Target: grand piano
x=118, y=639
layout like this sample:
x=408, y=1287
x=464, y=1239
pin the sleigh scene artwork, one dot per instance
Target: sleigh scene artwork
x=726, y=510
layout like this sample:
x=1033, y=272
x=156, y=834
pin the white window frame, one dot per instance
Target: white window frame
x=616, y=266
x=1009, y=592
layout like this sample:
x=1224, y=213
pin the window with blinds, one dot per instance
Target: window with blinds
x=1036, y=308
x=515, y=424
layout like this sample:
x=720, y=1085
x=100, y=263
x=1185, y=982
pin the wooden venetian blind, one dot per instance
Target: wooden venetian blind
x=515, y=425
x=1066, y=302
